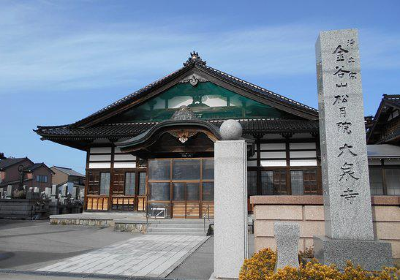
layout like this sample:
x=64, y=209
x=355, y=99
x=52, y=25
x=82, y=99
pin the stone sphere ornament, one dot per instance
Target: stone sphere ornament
x=231, y=130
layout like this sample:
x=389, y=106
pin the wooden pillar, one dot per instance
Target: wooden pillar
x=85, y=201
x=384, y=185
x=287, y=137
x=111, y=179
x=259, y=183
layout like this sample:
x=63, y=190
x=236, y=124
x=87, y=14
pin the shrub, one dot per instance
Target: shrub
x=262, y=264
x=259, y=266
x=308, y=253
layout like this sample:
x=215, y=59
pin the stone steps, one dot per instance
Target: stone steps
x=178, y=233
x=175, y=226
x=194, y=226
x=168, y=230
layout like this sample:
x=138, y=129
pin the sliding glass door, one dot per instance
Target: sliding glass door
x=181, y=188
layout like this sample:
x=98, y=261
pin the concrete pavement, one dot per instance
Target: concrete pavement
x=29, y=245
x=26, y=246
x=147, y=255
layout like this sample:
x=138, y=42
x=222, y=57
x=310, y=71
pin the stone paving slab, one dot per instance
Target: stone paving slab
x=147, y=255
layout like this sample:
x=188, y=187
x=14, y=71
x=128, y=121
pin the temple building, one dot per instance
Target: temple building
x=153, y=149
x=383, y=139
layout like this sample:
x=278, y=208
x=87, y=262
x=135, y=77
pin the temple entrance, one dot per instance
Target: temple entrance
x=181, y=187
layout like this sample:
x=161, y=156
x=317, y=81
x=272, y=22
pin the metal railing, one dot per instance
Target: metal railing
x=204, y=218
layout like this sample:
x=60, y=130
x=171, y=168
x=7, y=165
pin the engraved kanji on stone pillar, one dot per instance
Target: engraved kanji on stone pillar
x=347, y=197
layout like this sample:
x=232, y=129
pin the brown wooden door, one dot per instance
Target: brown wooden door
x=118, y=183
x=280, y=187
x=310, y=182
x=186, y=200
x=192, y=200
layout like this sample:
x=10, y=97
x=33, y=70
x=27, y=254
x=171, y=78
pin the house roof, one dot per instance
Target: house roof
x=68, y=171
x=36, y=166
x=118, y=130
x=195, y=61
x=33, y=167
x=5, y=163
x=91, y=126
x=383, y=151
x=387, y=105
x=393, y=100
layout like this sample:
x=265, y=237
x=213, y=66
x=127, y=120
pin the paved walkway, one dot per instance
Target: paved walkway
x=147, y=255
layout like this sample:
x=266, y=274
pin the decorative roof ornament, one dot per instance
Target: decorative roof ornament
x=194, y=58
x=183, y=114
x=194, y=79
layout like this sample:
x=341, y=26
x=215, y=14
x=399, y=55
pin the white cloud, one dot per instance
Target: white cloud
x=39, y=52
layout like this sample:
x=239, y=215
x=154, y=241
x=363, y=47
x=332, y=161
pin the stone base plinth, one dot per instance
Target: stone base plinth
x=370, y=255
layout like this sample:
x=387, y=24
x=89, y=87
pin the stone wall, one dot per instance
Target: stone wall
x=21, y=209
x=308, y=211
x=71, y=220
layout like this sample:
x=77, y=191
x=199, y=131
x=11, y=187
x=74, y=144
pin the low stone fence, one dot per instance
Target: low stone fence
x=72, y=219
x=308, y=211
x=22, y=209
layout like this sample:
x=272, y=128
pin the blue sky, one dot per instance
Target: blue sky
x=63, y=60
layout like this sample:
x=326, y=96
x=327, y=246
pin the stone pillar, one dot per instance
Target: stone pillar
x=347, y=198
x=230, y=208
x=287, y=242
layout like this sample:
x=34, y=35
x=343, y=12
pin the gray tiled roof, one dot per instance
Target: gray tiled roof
x=198, y=63
x=5, y=163
x=383, y=151
x=34, y=166
x=119, y=130
x=68, y=171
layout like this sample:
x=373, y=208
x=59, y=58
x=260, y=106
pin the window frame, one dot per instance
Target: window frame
x=109, y=182
x=42, y=178
x=383, y=169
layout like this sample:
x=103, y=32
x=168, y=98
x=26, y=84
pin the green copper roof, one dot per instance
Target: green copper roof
x=206, y=100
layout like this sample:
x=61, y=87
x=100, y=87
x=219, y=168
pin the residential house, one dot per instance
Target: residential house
x=35, y=174
x=70, y=177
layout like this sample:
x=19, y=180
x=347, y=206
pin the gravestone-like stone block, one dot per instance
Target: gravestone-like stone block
x=9, y=190
x=54, y=190
x=74, y=192
x=230, y=208
x=347, y=196
x=47, y=192
x=64, y=190
x=287, y=237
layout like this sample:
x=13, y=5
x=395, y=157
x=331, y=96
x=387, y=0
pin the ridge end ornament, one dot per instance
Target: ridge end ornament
x=194, y=59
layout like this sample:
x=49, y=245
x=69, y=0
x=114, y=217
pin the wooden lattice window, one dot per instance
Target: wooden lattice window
x=94, y=182
x=118, y=182
x=310, y=182
x=280, y=187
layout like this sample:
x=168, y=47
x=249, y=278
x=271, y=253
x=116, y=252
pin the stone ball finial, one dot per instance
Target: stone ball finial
x=231, y=130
